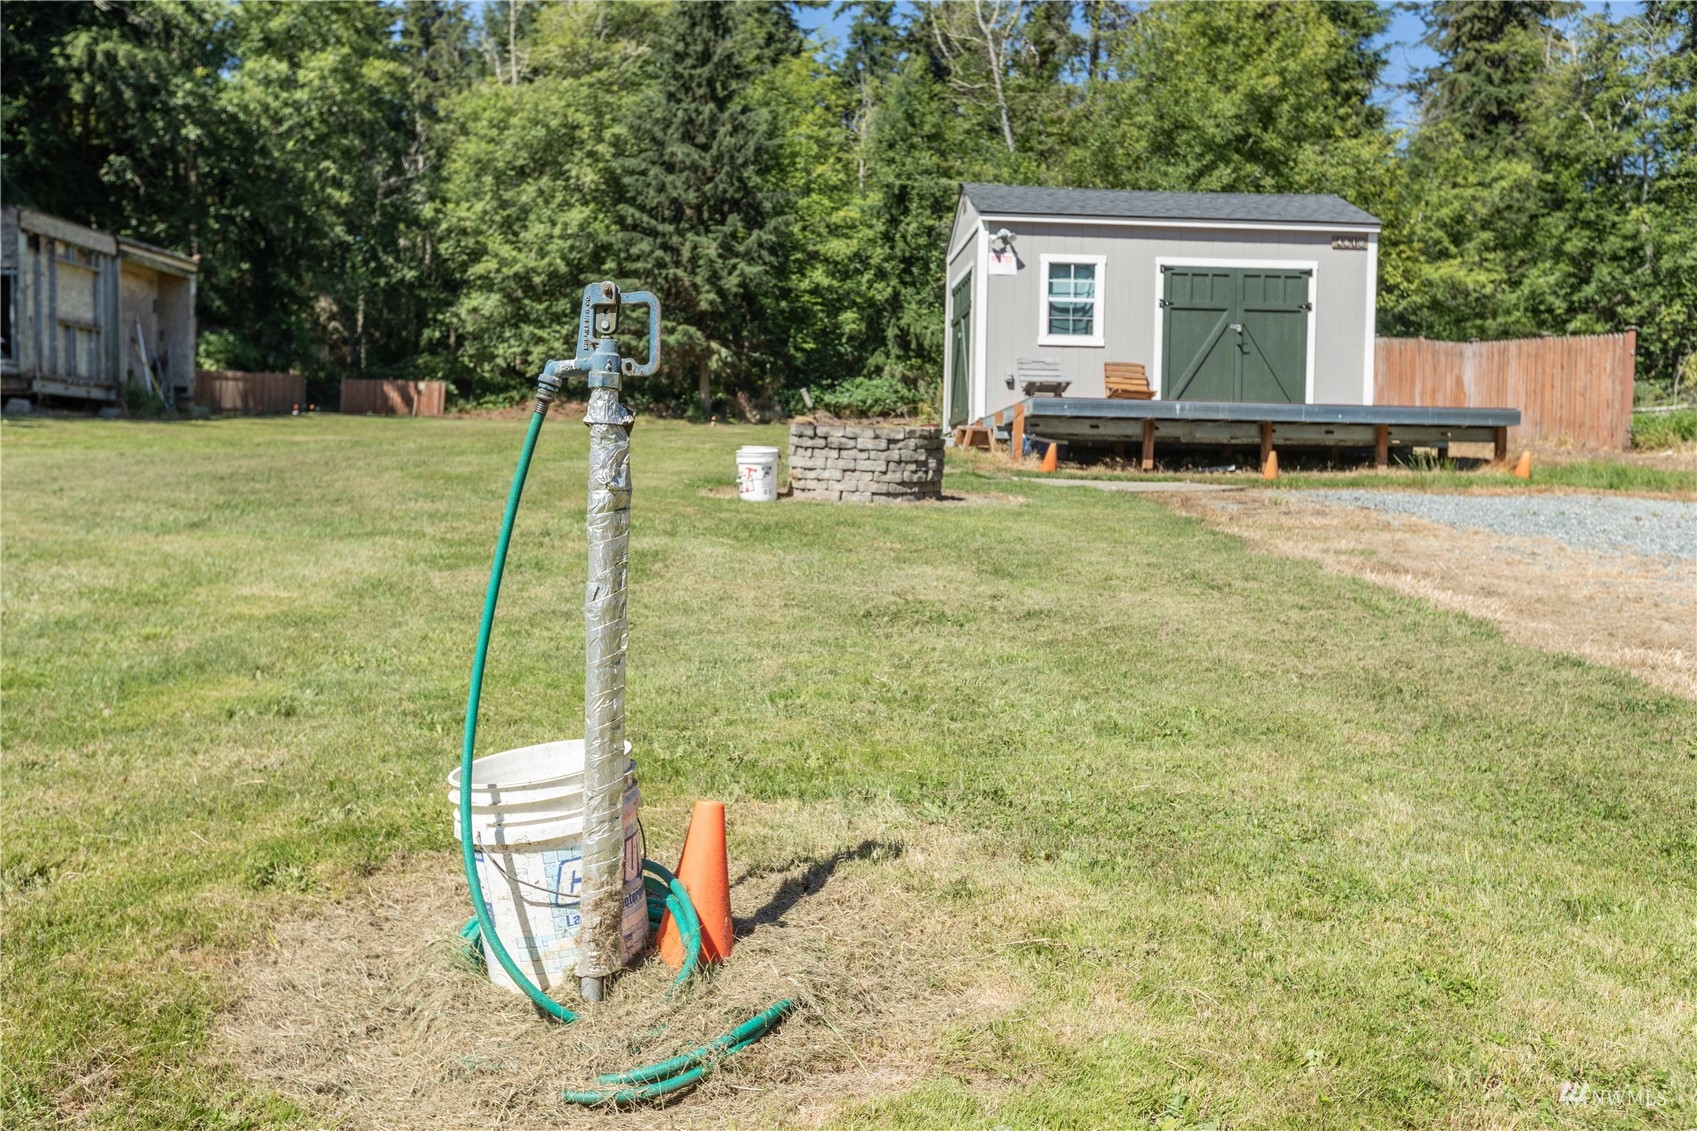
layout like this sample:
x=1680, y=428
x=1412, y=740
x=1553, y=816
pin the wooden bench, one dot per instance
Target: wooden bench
x=1038, y=377
x=1126, y=381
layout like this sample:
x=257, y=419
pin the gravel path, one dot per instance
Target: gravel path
x=1653, y=527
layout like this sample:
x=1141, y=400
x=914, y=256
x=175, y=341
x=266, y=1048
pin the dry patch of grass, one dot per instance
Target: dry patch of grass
x=1619, y=609
x=370, y=1014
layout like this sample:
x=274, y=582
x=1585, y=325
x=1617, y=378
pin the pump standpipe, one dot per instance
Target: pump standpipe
x=601, y=951
x=601, y=939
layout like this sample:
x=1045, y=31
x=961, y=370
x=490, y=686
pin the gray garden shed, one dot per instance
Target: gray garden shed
x=1212, y=297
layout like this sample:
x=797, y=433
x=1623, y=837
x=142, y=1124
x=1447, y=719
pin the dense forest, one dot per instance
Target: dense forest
x=421, y=187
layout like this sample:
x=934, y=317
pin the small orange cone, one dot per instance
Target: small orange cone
x=1270, y=469
x=705, y=870
x=1052, y=457
x=1523, y=469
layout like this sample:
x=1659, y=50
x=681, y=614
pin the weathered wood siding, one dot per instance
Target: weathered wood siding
x=251, y=394
x=394, y=398
x=1574, y=390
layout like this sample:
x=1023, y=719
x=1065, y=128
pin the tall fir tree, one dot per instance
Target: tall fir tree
x=700, y=222
x=1491, y=54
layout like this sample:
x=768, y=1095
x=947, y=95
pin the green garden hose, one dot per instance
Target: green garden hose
x=665, y=892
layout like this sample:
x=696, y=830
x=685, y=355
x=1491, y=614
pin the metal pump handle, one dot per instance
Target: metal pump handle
x=599, y=321
x=652, y=302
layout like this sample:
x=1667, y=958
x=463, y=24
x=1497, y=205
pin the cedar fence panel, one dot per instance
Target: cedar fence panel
x=394, y=398
x=1574, y=390
x=251, y=394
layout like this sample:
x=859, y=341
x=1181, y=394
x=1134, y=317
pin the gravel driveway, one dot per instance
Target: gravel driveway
x=1652, y=527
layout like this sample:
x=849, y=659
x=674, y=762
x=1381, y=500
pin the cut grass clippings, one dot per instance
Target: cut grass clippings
x=1244, y=842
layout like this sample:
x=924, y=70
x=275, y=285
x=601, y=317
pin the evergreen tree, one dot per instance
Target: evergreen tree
x=522, y=212
x=1490, y=56
x=700, y=223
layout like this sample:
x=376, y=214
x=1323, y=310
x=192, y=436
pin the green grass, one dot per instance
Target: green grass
x=1596, y=474
x=1293, y=851
x=1655, y=431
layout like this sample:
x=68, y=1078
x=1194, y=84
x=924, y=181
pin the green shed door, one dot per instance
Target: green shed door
x=1273, y=310
x=1235, y=334
x=1200, y=362
x=960, y=335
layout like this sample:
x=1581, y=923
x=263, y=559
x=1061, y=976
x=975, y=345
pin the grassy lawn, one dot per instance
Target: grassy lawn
x=1597, y=473
x=1290, y=850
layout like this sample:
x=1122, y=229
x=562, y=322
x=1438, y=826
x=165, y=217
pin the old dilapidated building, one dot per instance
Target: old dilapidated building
x=84, y=312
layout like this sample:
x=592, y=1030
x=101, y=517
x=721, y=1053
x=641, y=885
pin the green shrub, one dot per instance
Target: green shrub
x=1653, y=431
x=869, y=396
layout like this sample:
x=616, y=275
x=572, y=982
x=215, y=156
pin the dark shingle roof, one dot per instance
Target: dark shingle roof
x=1117, y=204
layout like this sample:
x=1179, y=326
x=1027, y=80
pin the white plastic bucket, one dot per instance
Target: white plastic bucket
x=527, y=821
x=757, y=474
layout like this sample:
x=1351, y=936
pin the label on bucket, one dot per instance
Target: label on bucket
x=633, y=921
x=757, y=480
x=532, y=894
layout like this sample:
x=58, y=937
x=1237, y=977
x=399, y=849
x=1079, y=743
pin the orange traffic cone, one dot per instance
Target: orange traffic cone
x=705, y=871
x=1052, y=457
x=1523, y=468
x=1270, y=469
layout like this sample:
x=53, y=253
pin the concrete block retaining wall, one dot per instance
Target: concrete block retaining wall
x=864, y=463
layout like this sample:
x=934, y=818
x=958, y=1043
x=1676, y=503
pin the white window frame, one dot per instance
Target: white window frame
x=1044, y=338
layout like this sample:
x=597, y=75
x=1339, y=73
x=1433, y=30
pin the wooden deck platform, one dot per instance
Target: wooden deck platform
x=1089, y=420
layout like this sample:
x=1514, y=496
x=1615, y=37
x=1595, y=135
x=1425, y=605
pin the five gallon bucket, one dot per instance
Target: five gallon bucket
x=527, y=821
x=757, y=474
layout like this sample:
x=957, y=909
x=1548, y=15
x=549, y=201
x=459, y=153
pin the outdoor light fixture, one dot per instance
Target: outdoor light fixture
x=1002, y=241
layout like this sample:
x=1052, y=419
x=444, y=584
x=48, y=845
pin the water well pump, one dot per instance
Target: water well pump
x=600, y=942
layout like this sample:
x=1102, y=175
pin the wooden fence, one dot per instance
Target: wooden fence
x=394, y=398
x=252, y=394
x=1568, y=390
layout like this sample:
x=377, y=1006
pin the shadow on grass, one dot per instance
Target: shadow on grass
x=808, y=882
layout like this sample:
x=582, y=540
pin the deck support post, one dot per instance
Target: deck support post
x=1016, y=434
x=1381, y=446
x=1266, y=444
x=1148, y=444
x=1499, y=444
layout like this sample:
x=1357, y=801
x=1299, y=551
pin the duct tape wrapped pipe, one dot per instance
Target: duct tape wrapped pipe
x=602, y=946
x=668, y=894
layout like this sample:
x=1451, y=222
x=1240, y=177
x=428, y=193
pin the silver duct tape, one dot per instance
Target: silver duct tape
x=600, y=936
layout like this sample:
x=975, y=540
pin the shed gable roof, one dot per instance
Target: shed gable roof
x=1119, y=204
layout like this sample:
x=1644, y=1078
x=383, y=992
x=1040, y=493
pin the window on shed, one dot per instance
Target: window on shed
x=1072, y=298
x=1072, y=301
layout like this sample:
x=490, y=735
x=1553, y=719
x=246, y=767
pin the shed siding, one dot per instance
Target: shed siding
x=1012, y=308
x=79, y=295
x=964, y=258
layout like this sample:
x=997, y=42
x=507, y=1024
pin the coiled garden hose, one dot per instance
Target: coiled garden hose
x=664, y=891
